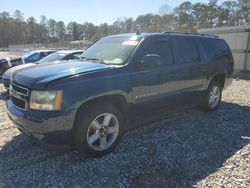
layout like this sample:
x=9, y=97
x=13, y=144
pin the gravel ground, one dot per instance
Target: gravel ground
x=191, y=148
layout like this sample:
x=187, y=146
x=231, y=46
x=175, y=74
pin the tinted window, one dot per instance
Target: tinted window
x=33, y=58
x=162, y=49
x=185, y=50
x=214, y=47
x=42, y=54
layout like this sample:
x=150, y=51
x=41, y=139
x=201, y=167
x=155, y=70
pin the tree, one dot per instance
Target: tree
x=227, y=13
x=43, y=30
x=212, y=10
x=244, y=11
x=60, y=30
x=74, y=29
x=164, y=10
x=32, y=29
x=184, y=15
x=52, y=29
x=4, y=28
x=18, y=16
x=89, y=31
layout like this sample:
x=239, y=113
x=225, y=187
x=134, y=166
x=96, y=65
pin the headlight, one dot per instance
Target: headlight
x=46, y=100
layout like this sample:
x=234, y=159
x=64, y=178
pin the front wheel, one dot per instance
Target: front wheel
x=98, y=130
x=212, y=97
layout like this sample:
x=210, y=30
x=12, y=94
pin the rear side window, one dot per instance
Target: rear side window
x=185, y=50
x=162, y=49
x=214, y=47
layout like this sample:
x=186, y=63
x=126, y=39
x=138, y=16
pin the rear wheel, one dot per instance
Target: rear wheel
x=212, y=97
x=98, y=130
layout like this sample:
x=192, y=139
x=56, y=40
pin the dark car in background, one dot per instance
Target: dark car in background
x=55, y=57
x=122, y=80
x=3, y=66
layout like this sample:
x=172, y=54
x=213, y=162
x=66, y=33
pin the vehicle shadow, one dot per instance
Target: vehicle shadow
x=178, y=151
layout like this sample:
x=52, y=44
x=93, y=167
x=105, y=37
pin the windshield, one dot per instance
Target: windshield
x=52, y=57
x=112, y=50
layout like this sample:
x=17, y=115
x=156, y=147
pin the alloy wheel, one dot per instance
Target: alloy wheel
x=103, y=132
x=214, y=96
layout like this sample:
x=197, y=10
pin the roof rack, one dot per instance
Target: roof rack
x=186, y=33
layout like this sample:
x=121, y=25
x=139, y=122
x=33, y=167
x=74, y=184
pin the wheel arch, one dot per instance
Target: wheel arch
x=220, y=77
x=117, y=100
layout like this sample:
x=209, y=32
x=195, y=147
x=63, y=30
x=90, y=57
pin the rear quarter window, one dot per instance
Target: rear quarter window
x=214, y=47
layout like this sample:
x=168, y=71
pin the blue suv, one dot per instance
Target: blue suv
x=120, y=81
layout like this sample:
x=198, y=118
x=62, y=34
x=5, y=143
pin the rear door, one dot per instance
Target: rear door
x=187, y=55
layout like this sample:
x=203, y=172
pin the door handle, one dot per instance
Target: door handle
x=170, y=75
x=199, y=69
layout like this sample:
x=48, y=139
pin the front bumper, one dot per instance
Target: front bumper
x=53, y=127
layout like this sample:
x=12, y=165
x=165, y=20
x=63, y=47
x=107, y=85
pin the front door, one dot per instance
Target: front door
x=157, y=84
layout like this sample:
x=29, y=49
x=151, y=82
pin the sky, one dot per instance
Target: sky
x=94, y=11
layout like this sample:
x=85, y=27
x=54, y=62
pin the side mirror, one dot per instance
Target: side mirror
x=150, y=61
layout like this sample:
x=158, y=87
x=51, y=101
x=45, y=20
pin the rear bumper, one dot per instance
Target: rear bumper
x=52, y=127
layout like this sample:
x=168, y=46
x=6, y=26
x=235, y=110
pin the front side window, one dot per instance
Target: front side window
x=112, y=50
x=162, y=49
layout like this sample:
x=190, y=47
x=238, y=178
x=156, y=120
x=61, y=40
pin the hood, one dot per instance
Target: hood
x=41, y=74
x=8, y=74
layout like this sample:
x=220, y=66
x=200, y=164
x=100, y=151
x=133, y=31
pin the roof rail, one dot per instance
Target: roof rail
x=186, y=33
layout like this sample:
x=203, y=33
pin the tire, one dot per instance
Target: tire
x=212, y=97
x=93, y=136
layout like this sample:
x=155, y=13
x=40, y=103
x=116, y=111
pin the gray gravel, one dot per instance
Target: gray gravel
x=191, y=148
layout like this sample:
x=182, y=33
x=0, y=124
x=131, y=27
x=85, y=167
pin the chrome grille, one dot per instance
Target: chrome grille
x=19, y=96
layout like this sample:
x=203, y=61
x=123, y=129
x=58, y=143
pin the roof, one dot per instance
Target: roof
x=44, y=50
x=145, y=35
x=69, y=51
